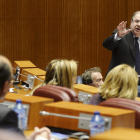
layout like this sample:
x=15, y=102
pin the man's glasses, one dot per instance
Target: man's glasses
x=137, y=21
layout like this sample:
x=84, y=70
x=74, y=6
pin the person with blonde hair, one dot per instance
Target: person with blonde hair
x=60, y=72
x=121, y=82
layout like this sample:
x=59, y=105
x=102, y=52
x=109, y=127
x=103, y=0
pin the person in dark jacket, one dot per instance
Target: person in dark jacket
x=8, y=118
x=124, y=44
x=121, y=82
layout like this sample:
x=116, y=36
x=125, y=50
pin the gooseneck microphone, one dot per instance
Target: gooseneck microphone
x=65, y=116
x=30, y=79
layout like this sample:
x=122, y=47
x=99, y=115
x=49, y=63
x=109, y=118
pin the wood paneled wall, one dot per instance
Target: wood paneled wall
x=42, y=30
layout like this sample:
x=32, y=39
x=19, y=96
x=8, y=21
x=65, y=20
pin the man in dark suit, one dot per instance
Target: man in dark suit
x=8, y=118
x=124, y=44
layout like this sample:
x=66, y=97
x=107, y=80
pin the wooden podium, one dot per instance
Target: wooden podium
x=33, y=71
x=23, y=65
x=35, y=103
x=85, y=88
x=120, y=117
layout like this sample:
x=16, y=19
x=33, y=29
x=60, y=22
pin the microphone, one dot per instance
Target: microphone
x=65, y=116
x=30, y=78
x=16, y=75
x=84, y=119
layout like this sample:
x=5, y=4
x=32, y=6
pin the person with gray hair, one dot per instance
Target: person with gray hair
x=8, y=118
x=92, y=77
x=125, y=44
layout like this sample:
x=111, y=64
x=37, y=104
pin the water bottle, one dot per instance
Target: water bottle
x=20, y=110
x=96, y=124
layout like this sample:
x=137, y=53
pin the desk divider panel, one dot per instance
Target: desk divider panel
x=35, y=103
x=37, y=82
x=33, y=71
x=85, y=88
x=23, y=65
x=120, y=117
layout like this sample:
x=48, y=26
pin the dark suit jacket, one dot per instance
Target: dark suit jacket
x=8, y=119
x=122, y=50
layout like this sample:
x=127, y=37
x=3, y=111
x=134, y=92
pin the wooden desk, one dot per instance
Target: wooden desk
x=85, y=88
x=36, y=104
x=120, y=117
x=28, y=132
x=22, y=91
x=42, y=78
x=119, y=134
x=23, y=65
x=32, y=71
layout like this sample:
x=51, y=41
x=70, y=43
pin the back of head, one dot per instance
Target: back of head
x=86, y=76
x=60, y=72
x=50, y=71
x=5, y=71
x=120, y=82
x=73, y=65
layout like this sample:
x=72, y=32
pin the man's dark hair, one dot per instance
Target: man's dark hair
x=5, y=74
x=86, y=76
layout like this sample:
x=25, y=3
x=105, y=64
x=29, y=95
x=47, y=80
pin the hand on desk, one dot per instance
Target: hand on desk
x=42, y=132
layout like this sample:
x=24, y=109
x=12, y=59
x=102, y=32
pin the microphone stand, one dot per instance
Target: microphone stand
x=44, y=113
x=30, y=81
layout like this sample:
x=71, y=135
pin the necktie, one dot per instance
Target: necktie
x=137, y=56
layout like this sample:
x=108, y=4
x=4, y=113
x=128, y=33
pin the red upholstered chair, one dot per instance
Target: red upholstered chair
x=56, y=94
x=73, y=96
x=125, y=104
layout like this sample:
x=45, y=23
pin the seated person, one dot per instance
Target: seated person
x=8, y=118
x=121, y=82
x=61, y=73
x=92, y=77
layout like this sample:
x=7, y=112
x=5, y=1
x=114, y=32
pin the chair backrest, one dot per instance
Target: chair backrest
x=125, y=104
x=71, y=93
x=56, y=94
x=79, y=80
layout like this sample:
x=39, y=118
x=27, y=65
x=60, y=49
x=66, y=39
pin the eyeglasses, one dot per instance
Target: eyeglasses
x=137, y=21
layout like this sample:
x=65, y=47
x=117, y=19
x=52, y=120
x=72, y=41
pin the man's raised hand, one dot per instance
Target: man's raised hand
x=121, y=29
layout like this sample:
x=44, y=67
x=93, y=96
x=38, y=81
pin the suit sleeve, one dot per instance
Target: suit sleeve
x=110, y=43
x=10, y=121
